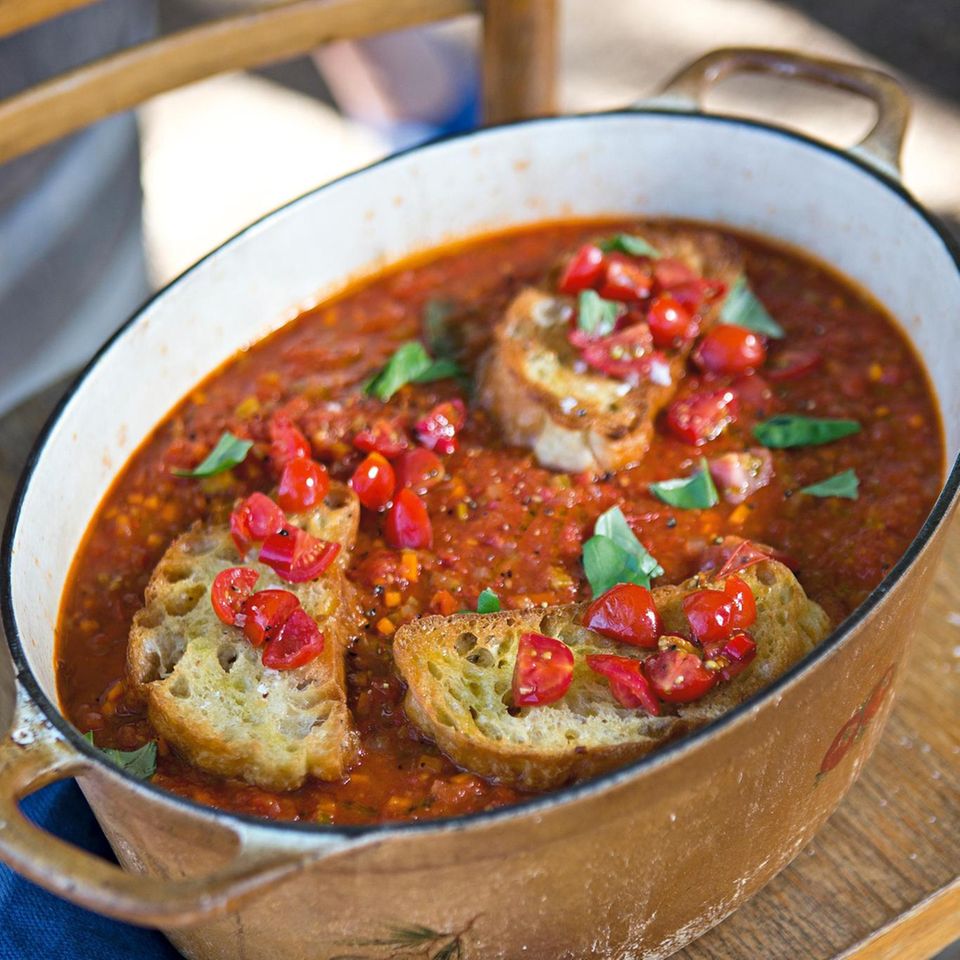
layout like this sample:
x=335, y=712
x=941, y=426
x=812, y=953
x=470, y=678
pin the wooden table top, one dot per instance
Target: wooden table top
x=882, y=878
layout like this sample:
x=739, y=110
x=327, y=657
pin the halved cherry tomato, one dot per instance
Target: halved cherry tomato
x=543, y=671
x=254, y=520
x=408, y=523
x=583, y=271
x=303, y=484
x=626, y=613
x=625, y=279
x=296, y=556
x=418, y=469
x=671, y=323
x=264, y=613
x=793, y=364
x=670, y=273
x=374, y=482
x=677, y=676
x=728, y=349
x=286, y=442
x=701, y=417
x=744, y=603
x=230, y=589
x=737, y=653
x=629, y=686
x=624, y=354
x=710, y=614
x=297, y=642
x=386, y=437
x=439, y=428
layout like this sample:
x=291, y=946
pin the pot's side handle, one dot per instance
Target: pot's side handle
x=881, y=147
x=34, y=754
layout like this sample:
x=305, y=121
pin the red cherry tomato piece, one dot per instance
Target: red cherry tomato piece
x=744, y=604
x=418, y=469
x=230, y=589
x=694, y=293
x=408, y=523
x=439, y=428
x=677, y=676
x=264, y=613
x=286, y=442
x=740, y=475
x=374, y=482
x=386, y=437
x=628, y=684
x=701, y=417
x=583, y=271
x=793, y=364
x=727, y=349
x=303, y=484
x=297, y=642
x=254, y=520
x=671, y=323
x=296, y=556
x=625, y=279
x=710, y=614
x=543, y=671
x=738, y=653
x=670, y=273
x=626, y=613
x=628, y=354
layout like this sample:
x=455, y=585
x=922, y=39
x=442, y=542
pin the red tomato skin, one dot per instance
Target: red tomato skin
x=230, y=589
x=296, y=556
x=374, y=482
x=583, y=271
x=669, y=273
x=386, y=437
x=625, y=280
x=286, y=442
x=793, y=364
x=628, y=684
x=253, y=520
x=739, y=652
x=543, y=671
x=626, y=613
x=624, y=354
x=297, y=642
x=670, y=322
x=678, y=677
x=439, y=428
x=693, y=293
x=710, y=614
x=418, y=469
x=701, y=417
x=264, y=612
x=729, y=350
x=303, y=484
x=408, y=523
x=744, y=611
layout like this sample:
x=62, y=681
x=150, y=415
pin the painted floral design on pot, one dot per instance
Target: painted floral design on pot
x=854, y=728
x=411, y=942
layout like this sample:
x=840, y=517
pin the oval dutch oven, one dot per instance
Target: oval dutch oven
x=625, y=865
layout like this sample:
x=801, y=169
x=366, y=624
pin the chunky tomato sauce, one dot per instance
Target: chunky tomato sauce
x=499, y=520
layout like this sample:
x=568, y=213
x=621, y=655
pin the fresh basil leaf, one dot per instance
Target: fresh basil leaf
x=613, y=524
x=631, y=244
x=442, y=369
x=228, y=452
x=846, y=485
x=596, y=316
x=409, y=364
x=488, y=602
x=140, y=763
x=614, y=555
x=793, y=430
x=741, y=308
x=438, y=331
x=696, y=492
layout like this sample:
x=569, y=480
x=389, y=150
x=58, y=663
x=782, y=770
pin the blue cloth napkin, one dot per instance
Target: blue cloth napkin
x=35, y=925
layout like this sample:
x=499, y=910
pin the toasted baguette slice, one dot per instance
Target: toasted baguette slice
x=459, y=671
x=207, y=691
x=573, y=418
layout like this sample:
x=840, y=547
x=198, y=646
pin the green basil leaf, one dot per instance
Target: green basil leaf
x=846, y=485
x=438, y=331
x=409, y=364
x=488, y=602
x=228, y=452
x=140, y=763
x=596, y=316
x=696, y=492
x=614, y=555
x=741, y=308
x=631, y=244
x=442, y=369
x=793, y=430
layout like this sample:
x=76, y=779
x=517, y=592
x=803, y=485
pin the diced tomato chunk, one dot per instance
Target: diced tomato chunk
x=744, y=611
x=700, y=417
x=671, y=323
x=230, y=589
x=710, y=614
x=543, y=671
x=677, y=676
x=728, y=349
x=625, y=279
x=583, y=271
x=740, y=475
x=793, y=364
x=439, y=428
x=626, y=613
x=303, y=484
x=628, y=684
x=253, y=520
x=296, y=556
x=408, y=523
x=694, y=293
x=386, y=437
x=628, y=355
x=374, y=482
x=297, y=642
x=738, y=653
x=286, y=442
x=264, y=613
x=670, y=273
x=418, y=469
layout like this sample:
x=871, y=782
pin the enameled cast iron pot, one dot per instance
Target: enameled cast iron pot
x=622, y=866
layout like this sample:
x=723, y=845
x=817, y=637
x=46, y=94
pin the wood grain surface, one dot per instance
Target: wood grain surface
x=880, y=880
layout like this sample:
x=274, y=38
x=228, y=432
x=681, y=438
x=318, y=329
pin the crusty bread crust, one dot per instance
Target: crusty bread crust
x=207, y=691
x=459, y=669
x=575, y=419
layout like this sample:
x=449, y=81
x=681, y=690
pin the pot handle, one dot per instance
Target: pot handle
x=881, y=146
x=33, y=754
